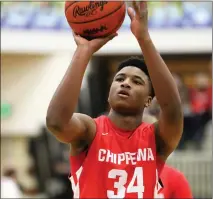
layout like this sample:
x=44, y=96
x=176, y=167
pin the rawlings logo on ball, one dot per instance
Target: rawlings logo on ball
x=91, y=9
x=95, y=30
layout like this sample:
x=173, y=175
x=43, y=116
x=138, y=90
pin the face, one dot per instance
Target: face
x=201, y=81
x=129, y=92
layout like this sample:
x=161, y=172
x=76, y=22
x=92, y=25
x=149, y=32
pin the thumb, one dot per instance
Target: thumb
x=110, y=37
x=131, y=13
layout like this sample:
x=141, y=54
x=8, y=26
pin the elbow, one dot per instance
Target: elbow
x=53, y=124
x=56, y=128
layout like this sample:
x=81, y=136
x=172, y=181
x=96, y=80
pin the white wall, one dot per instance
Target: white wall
x=28, y=83
x=187, y=40
x=14, y=154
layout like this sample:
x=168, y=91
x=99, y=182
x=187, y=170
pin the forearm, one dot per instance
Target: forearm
x=65, y=99
x=164, y=85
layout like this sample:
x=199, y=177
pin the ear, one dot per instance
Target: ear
x=148, y=101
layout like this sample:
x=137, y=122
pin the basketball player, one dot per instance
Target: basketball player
x=175, y=184
x=118, y=156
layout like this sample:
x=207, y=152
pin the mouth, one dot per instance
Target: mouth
x=123, y=93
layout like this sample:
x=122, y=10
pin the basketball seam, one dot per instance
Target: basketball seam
x=70, y=5
x=98, y=18
x=120, y=22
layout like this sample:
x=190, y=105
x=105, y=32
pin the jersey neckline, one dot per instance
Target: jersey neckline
x=121, y=132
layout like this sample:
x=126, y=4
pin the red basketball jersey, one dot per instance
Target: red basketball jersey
x=118, y=164
x=175, y=184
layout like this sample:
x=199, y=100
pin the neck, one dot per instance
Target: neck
x=125, y=122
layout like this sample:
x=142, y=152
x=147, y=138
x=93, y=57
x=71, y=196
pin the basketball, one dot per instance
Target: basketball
x=93, y=19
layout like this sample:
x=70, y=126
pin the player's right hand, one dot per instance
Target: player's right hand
x=94, y=44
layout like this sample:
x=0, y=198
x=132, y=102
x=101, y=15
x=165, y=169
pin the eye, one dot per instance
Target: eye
x=137, y=82
x=119, y=79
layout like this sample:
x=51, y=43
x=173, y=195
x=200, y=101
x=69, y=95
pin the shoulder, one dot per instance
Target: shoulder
x=101, y=122
x=147, y=129
x=150, y=122
x=174, y=174
x=100, y=118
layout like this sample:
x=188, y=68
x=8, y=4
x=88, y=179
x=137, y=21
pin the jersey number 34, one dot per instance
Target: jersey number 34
x=135, y=185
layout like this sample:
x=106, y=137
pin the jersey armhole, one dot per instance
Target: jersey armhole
x=159, y=162
x=77, y=161
x=160, y=165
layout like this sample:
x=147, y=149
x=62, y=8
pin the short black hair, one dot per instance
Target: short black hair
x=138, y=63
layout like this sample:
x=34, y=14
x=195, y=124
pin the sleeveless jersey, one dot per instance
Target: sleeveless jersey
x=117, y=164
x=175, y=185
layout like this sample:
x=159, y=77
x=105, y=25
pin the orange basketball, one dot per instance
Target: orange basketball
x=92, y=19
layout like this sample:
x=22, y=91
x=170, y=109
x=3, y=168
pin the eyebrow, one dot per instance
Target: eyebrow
x=134, y=76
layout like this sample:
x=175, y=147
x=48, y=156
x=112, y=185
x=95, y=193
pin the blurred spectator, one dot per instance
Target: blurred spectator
x=9, y=185
x=199, y=95
x=200, y=99
x=153, y=109
x=188, y=117
x=182, y=89
x=196, y=105
x=147, y=118
x=210, y=91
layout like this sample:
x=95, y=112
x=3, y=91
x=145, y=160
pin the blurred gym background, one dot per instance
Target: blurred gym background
x=37, y=47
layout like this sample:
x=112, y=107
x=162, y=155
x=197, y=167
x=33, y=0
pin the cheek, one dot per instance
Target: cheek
x=140, y=95
x=111, y=91
x=146, y=92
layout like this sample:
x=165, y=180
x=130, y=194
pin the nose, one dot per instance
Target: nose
x=125, y=84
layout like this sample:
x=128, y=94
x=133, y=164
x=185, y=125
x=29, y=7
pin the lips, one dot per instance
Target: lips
x=123, y=93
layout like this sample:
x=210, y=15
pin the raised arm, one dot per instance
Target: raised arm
x=170, y=125
x=68, y=127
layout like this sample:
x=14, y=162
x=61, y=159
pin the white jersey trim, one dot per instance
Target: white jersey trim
x=158, y=187
x=75, y=186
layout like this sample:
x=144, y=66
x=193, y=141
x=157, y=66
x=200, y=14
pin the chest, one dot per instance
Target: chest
x=111, y=151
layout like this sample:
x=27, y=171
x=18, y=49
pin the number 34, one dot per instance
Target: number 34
x=122, y=180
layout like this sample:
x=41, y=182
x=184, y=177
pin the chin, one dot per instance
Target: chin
x=123, y=108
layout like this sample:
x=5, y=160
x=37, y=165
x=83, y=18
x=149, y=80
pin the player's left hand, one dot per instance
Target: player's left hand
x=138, y=14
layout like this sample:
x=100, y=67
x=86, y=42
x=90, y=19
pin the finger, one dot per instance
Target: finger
x=136, y=7
x=131, y=13
x=143, y=5
x=106, y=39
x=73, y=33
x=113, y=35
x=74, y=36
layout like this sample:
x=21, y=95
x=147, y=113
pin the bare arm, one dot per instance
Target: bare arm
x=170, y=125
x=61, y=121
x=68, y=127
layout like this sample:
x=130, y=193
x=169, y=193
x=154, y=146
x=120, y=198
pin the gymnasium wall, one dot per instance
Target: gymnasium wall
x=28, y=83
